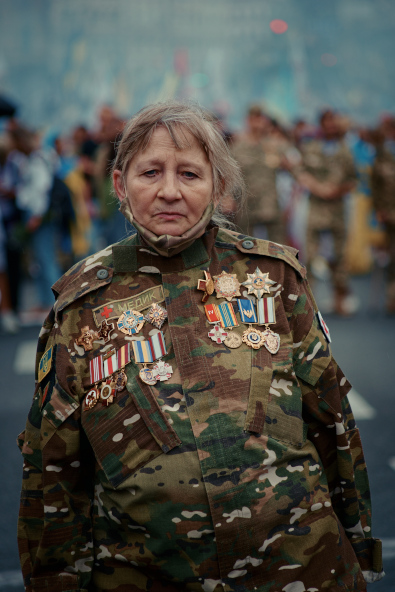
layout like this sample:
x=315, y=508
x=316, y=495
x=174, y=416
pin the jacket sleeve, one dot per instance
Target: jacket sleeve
x=54, y=526
x=331, y=427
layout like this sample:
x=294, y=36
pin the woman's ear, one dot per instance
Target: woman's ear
x=119, y=185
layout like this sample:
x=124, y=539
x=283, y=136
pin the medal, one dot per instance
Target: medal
x=206, y=286
x=233, y=340
x=87, y=338
x=156, y=315
x=227, y=315
x=247, y=311
x=105, y=330
x=227, y=285
x=162, y=371
x=147, y=376
x=120, y=380
x=157, y=345
x=218, y=334
x=258, y=283
x=266, y=311
x=272, y=340
x=130, y=322
x=253, y=338
x=91, y=398
x=107, y=393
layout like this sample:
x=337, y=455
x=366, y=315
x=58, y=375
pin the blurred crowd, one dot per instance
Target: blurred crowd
x=326, y=189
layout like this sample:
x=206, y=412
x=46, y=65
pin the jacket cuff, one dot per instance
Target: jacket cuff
x=369, y=555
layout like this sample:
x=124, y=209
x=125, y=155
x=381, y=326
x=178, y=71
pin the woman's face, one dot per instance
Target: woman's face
x=168, y=189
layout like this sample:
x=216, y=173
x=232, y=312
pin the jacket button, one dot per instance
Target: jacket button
x=247, y=244
x=102, y=274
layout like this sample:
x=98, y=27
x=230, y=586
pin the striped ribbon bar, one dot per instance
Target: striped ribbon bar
x=227, y=315
x=142, y=352
x=247, y=311
x=110, y=365
x=96, y=369
x=123, y=356
x=212, y=313
x=158, y=346
x=266, y=311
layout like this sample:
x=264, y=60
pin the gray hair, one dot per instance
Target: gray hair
x=178, y=117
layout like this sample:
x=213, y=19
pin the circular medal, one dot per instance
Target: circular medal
x=162, y=370
x=233, y=340
x=130, y=322
x=91, y=398
x=107, y=393
x=218, y=334
x=253, y=338
x=147, y=376
x=272, y=341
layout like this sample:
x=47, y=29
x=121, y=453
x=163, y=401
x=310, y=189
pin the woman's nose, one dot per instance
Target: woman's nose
x=169, y=187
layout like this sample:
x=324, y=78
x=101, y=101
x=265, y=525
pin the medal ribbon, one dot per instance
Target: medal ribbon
x=247, y=311
x=110, y=365
x=142, y=352
x=211, y=313
x=158, y=346
x=96, y=369
x=227, y=315
x=266, y=311
x=123, y=355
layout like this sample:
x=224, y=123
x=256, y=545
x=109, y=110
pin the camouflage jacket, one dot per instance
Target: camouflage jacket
x=243, y=471
x=260, y=164
x=330, y=162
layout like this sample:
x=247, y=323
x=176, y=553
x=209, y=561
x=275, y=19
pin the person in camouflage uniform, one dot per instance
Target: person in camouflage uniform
x=240, y=468
x=261, y=155
x=383, y=194
x=329, y=175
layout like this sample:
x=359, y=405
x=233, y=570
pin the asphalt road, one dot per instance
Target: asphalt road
x=363, y=345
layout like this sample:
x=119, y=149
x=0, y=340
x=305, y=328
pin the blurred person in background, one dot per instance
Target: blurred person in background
x=261, y=155
x=383, y=193
x=12, y=244
x=111, y=225
x=36, y=170
x=329, y=173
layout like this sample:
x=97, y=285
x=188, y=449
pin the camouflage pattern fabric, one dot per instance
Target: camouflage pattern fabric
x=260, y=164
x=383, y=194
x=244, y=471
x=333, y=166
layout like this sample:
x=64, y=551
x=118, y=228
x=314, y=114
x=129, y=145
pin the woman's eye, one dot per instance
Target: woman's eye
x=150, y=173
x=189, y=174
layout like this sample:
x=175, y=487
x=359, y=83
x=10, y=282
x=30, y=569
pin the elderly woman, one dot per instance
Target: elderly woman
x=190, y=429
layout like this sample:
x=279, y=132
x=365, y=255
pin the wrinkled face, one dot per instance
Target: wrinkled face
x=168, y=188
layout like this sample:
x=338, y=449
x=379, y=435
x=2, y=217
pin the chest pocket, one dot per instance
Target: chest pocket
x=275, y=400
x=130, y=432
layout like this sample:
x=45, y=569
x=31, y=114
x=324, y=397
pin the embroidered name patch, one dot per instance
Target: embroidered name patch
x=114, y=309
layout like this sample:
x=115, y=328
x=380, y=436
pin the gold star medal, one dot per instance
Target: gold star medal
x=206, y=286
x=226, y=285
x=258, y=283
